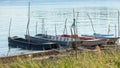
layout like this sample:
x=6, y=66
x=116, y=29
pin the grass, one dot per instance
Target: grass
x=104, y=59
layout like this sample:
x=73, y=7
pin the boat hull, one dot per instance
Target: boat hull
x=44, y=40
x=110, y=40
x=66, y=43
x=25, y=44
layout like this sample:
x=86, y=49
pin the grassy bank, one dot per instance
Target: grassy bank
x=82, y=60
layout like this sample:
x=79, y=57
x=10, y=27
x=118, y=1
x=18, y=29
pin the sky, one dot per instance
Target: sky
x=36, y=2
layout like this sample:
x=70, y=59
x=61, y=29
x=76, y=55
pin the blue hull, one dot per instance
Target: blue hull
x=45, y=39
x=25, y=44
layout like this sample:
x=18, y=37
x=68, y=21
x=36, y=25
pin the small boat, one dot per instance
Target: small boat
x=111, y=39
x=88, y=41
x=65, y=40
x=26, y=44
x=61, y=41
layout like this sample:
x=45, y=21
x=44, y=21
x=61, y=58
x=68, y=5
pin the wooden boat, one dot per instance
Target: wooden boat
x=61, y=41
x=26, y=44
x=111, y=39
x=88, y=41
x=65, y=40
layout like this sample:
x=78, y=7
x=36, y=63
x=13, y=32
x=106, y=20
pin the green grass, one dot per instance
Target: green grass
x=83, y=60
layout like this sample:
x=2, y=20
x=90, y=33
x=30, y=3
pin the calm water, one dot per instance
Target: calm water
x=53, y=14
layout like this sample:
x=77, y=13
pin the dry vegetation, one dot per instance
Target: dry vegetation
x=104, y=59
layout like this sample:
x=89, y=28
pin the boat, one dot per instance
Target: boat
x=111, y=39
x=61, y=41
x=88, y=41
x=65, y=40
x=17, y=42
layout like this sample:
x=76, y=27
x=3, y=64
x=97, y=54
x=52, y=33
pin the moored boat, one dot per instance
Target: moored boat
x=29, y=45
x=111, y=39
x=66, y=40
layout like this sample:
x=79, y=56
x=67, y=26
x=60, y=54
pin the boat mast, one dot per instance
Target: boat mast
x=27, y=30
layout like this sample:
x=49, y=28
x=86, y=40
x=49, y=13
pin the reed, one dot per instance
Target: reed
x=107, y=59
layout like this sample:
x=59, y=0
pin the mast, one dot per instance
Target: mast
x=27, y=30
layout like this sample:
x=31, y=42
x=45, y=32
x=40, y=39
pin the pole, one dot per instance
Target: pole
x=55, y=30
x=27, y=30
x=43, y=26
x=91, y=22
x=9, y=35
x=109, y=29
x=10, y=26
x=36, y=27
x=76, y=23
x=75, y=33
x=65, y=27
x=118, y=24
x=115, y=31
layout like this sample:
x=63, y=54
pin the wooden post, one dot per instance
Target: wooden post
x=10, y=26
x=9, y=35
x=43, y=26
x=118, y=24
x=75, y=33
x=71, y=38
x=115, y=31
x=36, y=27
x=91, y=23
x=65, y=27
x=55, y=30
x=76, y=23
x=108, y=28
x=27, y=29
